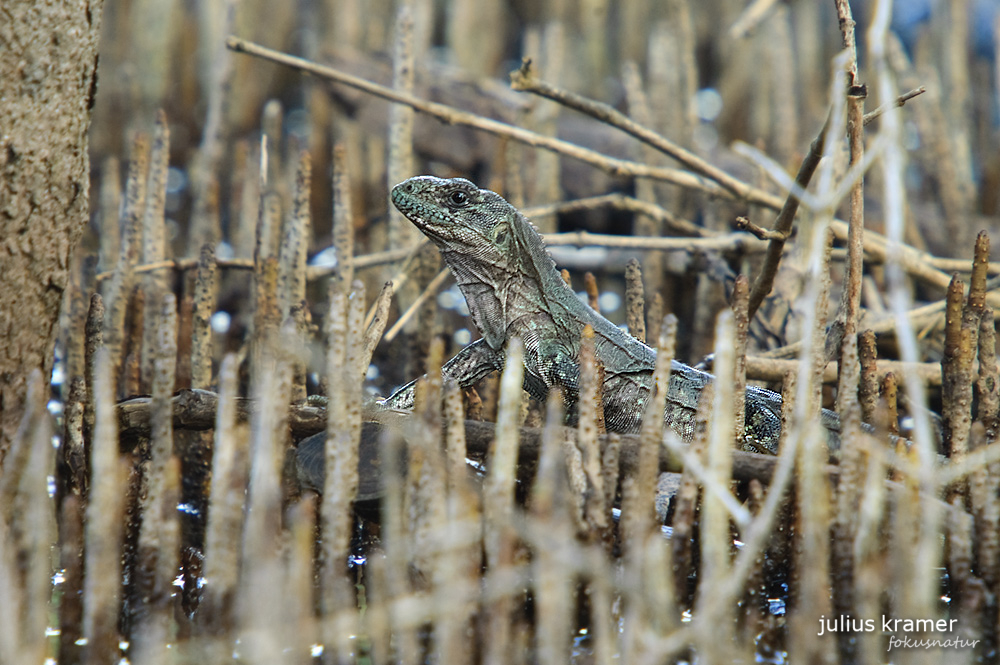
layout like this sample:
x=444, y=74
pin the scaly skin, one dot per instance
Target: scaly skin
x=512, y=288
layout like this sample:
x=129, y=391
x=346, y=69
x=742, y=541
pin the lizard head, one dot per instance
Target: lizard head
x=458, y=216
x=497, y=257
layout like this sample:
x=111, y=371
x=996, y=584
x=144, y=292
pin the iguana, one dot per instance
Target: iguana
x=512, y=288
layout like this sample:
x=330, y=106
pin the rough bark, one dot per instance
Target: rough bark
x=48, y=63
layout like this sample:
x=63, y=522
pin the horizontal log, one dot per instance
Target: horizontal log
x=195, y=410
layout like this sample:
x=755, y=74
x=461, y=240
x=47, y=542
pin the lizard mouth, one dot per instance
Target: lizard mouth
x=417, y=211
x=405, y=200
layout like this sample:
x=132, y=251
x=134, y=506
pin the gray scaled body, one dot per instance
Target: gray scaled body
x=512, y=289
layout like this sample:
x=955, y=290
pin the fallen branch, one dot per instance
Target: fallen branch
x=774, y=369
x=195, y=410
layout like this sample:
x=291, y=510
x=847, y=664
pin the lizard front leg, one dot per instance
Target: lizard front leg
x=467, y=367
x=558, y=365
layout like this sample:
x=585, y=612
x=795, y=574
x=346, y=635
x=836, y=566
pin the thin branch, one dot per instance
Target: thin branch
x=900, y=101
x=919, y=317
x=431, y=290
x=913, y=260
x=731, y=242
x=524, y=79
x=622, y=202
x=375, y=322
x=744, y=224
x=453, y=116
x=752, y=16
x=761, y=368
x=783, y=224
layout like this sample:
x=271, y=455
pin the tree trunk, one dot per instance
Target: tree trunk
x=48, y=78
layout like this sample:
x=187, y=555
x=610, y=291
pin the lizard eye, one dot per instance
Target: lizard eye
x=458, y=198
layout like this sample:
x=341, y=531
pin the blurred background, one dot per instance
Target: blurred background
x=704, y=74
x=712, y=72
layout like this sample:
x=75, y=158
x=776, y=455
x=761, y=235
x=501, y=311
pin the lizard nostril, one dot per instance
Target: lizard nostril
x=408, y=187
